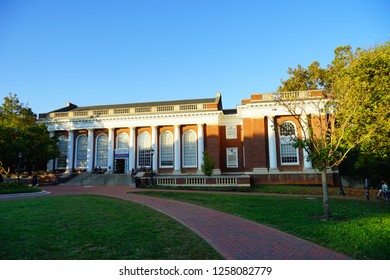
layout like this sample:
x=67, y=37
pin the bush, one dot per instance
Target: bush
x=208, y=164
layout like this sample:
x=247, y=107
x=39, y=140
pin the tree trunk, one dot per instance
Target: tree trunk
x=325, y=195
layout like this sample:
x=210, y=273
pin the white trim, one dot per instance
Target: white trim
x=287, y=140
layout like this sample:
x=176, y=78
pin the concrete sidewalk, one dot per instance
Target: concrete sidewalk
x=233, y=237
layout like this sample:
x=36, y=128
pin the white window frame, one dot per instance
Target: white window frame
x=229, y=152
x=231, y=132
x=190, y=149
x=166, y=151
x=78, y=152
x=287, y=142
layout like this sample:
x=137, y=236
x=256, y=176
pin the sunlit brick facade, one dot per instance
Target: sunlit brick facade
x=251, y=139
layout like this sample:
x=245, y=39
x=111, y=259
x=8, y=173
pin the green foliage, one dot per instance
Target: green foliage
x=9, y=188
x=19, y=133
x=208, y=164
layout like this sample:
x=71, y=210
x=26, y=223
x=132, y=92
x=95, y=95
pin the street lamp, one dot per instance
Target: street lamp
x=19, y=159
x=151, y=165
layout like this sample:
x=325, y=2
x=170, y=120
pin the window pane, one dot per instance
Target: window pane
x=189, y=149
x=122, y=141
x=232, y=157
x=81, y=151
x=102, y=151
x=166, y=149
x=63, y=147
x=144, y=150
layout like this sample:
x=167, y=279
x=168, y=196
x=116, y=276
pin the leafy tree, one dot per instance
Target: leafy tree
x=19, y=133
x=353, y=112
x=208, y=164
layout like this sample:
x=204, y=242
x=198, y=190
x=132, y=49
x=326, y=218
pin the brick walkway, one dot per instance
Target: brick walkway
x=233, y=237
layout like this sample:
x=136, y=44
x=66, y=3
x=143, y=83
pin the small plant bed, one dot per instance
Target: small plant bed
x=9, y=188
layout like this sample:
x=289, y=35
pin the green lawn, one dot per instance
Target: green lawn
x=359, y=228
x=93, y=227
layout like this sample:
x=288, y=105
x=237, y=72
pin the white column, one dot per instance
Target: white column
x=177, y=149
x=50, y=163
x=69, y=162
x=273, y=163
x=307, y=165
x=132, y=149
x=110, y=152
x=200, y=147
x=90, y=150
x=155, y=148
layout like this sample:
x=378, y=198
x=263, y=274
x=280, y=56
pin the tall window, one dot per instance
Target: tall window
x=122, y=141
x=231, y=132
x=144, y=150
x=63, y=147
x=189, y=149
x=81, y=151
x=102, y=151
x=166, y=149
x=288, y=153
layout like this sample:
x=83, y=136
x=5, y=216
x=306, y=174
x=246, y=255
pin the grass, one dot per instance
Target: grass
x=93, y=227
x=359, y=228
x=8, y=188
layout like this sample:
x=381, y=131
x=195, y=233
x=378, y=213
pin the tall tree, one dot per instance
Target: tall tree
x=19, y=133
x=352, y=113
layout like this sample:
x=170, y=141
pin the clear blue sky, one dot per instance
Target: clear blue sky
x=110, y=52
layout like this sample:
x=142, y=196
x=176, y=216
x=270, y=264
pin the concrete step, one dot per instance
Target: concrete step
x=101, y=180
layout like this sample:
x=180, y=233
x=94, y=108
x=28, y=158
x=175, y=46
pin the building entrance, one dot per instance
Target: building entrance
x=119, y=166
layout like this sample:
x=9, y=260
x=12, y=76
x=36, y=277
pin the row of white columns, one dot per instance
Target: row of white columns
x=132, y=149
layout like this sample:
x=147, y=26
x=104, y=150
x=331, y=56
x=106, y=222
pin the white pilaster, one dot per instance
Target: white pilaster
x=307, y=165
x=132, y=149
x=50, y=163
x=69, y=162
x=155, y=148
x=273, y=163
x=110, y=152
x=90, y=150
x=200, y=147
x=177, y=147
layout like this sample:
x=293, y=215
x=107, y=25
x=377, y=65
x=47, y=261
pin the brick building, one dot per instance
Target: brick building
x=253, y=139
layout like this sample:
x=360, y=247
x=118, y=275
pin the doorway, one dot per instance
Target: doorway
x=120, y=166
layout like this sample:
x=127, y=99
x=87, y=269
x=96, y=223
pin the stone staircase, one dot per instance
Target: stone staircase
x=101, y=180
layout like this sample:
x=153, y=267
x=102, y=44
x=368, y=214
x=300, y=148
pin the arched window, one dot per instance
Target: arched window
x=122, y=141
x=189, y=149
x=166, y=149
x=102, y=151
x=63, y=148
x=81, y=151
x=288, y=153
x=144, y=150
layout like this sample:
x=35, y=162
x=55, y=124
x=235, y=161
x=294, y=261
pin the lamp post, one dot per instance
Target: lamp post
x=19, y=159
x=151, y=165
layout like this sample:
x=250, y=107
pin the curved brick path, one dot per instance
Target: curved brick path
x=233, y=237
